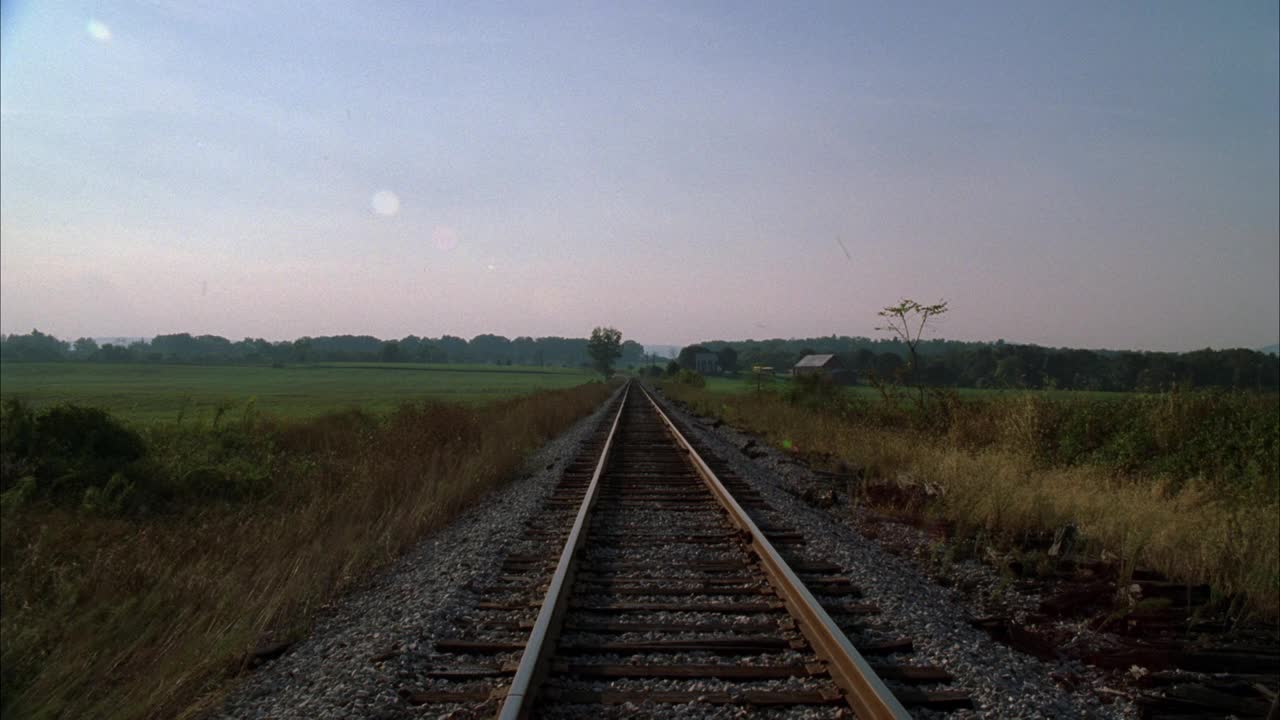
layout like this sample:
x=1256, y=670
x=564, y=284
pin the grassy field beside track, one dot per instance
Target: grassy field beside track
x=741, y=385
x=143, y=561
x=1185, y=483
x=159, y=392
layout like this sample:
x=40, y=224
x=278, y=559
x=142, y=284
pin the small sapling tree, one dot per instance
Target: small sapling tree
x=760, y=378
x=907, y=321
x=604, y=347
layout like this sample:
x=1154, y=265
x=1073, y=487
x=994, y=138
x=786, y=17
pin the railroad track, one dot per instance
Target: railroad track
x=654, y=580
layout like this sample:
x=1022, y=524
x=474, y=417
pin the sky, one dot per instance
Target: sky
x=1087, y=174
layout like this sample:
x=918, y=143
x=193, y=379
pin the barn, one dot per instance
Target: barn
x=826, y=365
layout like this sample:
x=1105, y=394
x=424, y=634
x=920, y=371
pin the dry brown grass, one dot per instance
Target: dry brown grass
x=118, y=618
x=993, y=481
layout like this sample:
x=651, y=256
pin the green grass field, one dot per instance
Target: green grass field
x=739, y=385
x=160, y=393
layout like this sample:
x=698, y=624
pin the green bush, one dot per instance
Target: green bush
x=67, y=450
x=691, y=378
x=815, y=390
x=1229, y=438
x=84, y=459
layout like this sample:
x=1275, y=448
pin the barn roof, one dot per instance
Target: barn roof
x=814, y=360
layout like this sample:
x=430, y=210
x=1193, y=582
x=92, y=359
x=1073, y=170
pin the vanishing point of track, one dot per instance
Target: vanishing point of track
x=652, y=581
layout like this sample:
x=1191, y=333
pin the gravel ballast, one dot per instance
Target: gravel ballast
x=358, y=654
x=1002, y=682
x=371, y=644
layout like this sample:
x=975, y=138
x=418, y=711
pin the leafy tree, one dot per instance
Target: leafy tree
x=1010, y=372
x=36, y=347
x=688, y=357
x=632, y=352
x=454, y=348
x=864, y=360
x=604, y=347
x=885, y=373
x=109, y=353
x=390, y=351
x=490, y=349
x=525, y=351
x=85, y=347
x=728, y=358
x=935, y=363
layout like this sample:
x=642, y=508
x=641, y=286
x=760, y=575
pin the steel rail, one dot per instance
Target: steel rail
x=865, y=692
x=542, y=638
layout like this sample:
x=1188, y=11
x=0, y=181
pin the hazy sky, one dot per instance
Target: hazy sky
x=1085, y=174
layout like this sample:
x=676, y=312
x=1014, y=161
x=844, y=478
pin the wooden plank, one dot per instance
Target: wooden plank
x=716, y=579
x=851, y=609
x=493, y=624
x=834, y=590
x=941, y=700
x=701, y=535
x=1196, y=698
x=603, y=628
x=687, y=670
x=614, y=566
x=814, y=566
x=490, y=605
x=476, y=647
x=885, y=647
x=750, y=697
x=611, y=589
x=470, y=672
x=912, y=673
x=620, y=541
x=433, y=697
x=733, y=645
x=740, y=608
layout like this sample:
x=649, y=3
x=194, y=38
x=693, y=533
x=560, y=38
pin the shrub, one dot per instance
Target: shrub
x=814, y=390
x=691, y=378
x=84, y=459
x=67, y=450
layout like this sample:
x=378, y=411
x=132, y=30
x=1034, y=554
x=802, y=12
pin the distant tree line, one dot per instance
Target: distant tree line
x=212, y=349
x=1005, y=365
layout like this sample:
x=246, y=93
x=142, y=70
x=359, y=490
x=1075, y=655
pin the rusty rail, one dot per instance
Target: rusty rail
x=542, y=638
x=865, y=692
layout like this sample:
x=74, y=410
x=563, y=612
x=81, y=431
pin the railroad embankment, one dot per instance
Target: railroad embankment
x=1187, y=485
x=142, y=568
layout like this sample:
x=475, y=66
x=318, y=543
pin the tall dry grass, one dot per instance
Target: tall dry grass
x=1184, y=486
x=110, y=617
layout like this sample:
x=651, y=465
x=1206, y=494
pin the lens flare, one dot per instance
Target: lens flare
x=98, y=30
x=385, y=203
